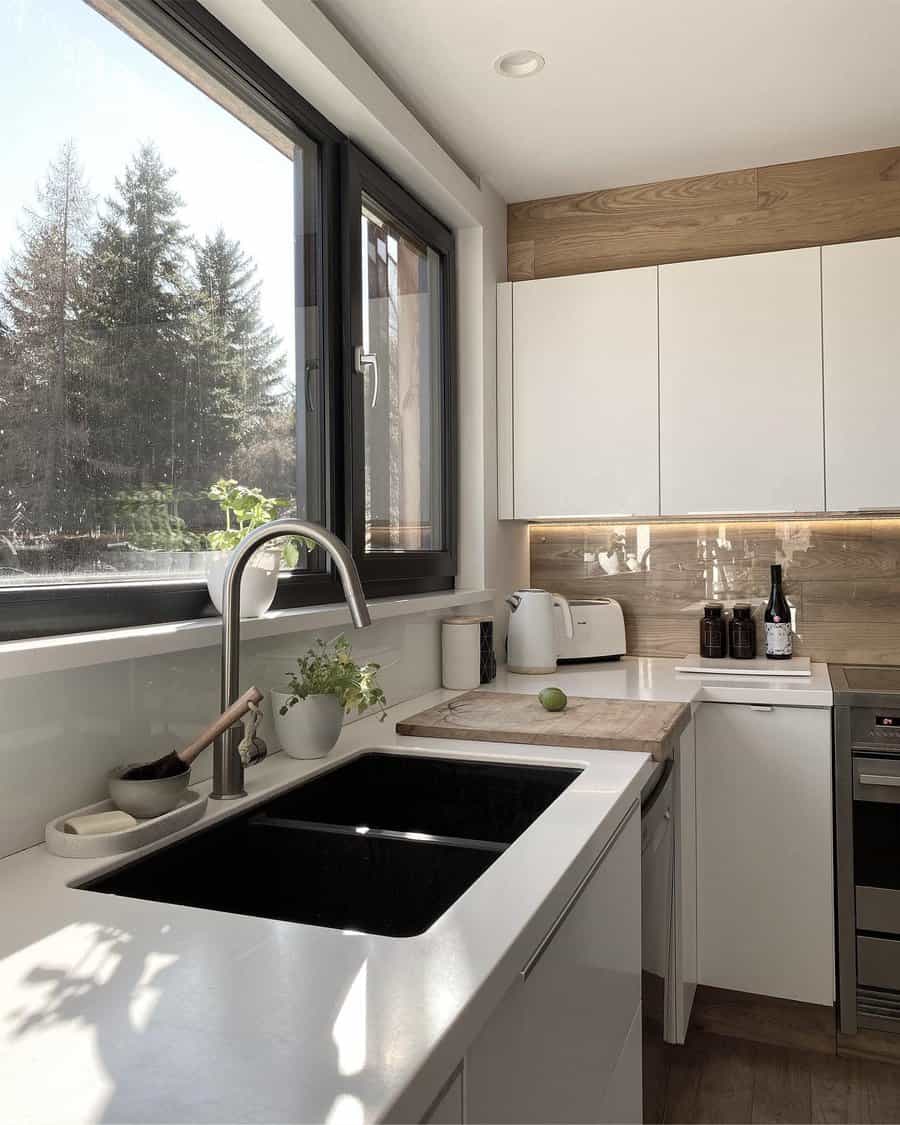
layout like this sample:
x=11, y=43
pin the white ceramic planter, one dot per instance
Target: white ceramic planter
x=311, y=727
x=258, y=584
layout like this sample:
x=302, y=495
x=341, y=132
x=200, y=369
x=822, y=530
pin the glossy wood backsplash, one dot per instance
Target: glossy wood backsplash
x=841, y=576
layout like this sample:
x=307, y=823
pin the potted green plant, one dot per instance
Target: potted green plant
x=326, y=684
x=246, y=509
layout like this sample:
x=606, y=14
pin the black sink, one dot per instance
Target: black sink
x=441, y=796
x=383, y=845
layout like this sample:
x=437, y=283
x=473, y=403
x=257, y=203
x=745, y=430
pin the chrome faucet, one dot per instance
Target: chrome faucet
x=228, y=767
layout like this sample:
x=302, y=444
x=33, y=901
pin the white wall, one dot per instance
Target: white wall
x=62, y=731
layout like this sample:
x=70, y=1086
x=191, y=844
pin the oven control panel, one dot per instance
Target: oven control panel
x=871, y=727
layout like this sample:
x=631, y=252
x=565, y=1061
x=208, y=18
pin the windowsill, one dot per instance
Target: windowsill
x=78, y=650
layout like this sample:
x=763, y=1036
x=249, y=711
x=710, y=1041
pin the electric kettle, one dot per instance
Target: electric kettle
x=532, y=646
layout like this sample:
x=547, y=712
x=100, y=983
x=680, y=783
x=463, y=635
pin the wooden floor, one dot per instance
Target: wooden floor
x=717, y=1079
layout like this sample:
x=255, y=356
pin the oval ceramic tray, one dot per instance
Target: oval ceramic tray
x=189, y=808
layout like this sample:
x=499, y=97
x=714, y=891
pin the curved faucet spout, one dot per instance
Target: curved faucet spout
x=228, y=771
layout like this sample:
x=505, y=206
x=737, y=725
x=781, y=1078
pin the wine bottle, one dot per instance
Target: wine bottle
x=779, y=639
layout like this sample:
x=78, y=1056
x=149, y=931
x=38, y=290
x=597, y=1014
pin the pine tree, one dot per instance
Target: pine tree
x=250, y=363
x=251, y=350
x=44, y=348
x=136, y=305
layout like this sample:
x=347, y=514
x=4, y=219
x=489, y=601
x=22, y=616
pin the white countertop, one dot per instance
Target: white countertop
x=114, y=1009
x=645, y=677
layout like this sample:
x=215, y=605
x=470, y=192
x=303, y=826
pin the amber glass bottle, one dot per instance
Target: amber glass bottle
x=713, y=635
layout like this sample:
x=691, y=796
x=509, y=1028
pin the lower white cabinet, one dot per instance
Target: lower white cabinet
x=448, y=1108
x=685, y=882
x=564, y=1043
x=765, y=916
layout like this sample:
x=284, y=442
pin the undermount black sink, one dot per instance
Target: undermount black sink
x=383, y=844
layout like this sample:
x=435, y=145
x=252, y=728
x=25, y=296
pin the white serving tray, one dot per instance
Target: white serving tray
x=189, y=808
x=797, y=666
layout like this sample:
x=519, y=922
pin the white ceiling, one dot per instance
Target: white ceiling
x=635, y=90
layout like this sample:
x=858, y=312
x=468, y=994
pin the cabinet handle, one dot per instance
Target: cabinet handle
x=761, y=707
x=889, y=779
x=576, y=895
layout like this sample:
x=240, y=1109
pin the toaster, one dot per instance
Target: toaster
x=598, y=631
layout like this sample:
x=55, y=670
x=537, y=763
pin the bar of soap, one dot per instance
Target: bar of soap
x=97, y=824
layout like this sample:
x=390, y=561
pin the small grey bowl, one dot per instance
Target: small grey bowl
x=147, y=798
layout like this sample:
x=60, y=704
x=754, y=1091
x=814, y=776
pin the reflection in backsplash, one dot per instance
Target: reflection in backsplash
x=842, y=578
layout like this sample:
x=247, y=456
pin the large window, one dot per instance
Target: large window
x=177, y=361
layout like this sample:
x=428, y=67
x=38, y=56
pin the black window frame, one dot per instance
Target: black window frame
x=53, y=609
x=381, y=571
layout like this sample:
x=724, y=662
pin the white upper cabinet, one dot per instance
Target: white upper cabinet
x=861, y=317
x=584, y=438
x=740, y=384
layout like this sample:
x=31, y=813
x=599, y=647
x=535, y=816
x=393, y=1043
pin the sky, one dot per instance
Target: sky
x=66, y=72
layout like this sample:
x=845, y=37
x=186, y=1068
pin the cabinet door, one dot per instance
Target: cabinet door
x=448, y=1108
x=740, y=367
x=686, y=886
x=549, y=1051
x=765, y=852
x=861, y=331
x=585, y=390
x=622, y=1102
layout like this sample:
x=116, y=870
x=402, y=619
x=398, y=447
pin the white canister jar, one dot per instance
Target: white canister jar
x=461, y=653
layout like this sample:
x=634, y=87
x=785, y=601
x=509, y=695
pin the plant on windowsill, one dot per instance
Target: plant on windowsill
x=245, y=510
x=327, y=684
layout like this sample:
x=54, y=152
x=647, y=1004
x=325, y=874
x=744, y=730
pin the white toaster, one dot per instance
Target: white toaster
x=598, y=631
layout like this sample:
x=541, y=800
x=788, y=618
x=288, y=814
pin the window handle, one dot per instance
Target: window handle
x=311, y=366
x=362, y=360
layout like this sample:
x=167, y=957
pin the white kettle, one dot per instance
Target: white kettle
x=532, y=643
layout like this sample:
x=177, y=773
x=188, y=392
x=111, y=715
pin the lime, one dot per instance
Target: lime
x=553, y=699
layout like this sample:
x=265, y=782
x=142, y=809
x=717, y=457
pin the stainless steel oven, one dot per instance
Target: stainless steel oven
x=867, y=845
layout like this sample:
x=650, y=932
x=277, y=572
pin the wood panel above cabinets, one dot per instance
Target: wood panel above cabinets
x=782, y=206
x=697, y=388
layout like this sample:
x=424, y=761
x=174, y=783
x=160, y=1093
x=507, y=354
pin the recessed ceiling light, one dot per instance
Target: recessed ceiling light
x=519, y=64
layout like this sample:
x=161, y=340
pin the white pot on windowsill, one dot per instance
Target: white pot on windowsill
x=311, y=727
x=258, y=584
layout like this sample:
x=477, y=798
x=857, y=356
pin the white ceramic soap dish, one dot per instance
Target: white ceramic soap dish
x=189, y=808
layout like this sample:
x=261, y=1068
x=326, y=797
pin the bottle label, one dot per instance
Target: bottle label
x=779, y=641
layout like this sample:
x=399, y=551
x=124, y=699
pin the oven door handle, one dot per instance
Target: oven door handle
x=879, y=779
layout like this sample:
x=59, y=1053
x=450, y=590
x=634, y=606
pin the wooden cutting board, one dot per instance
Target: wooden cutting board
x=590, y=724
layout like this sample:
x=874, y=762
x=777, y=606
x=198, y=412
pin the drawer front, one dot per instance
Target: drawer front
x=878, y=908
x=878, y=962
x=876, y=779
